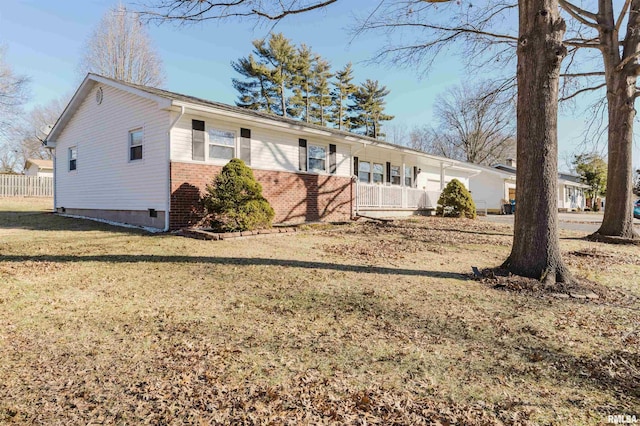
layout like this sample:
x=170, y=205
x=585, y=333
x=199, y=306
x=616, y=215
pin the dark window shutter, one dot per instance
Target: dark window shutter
x=302, y=154
x=332, y=159
x=245, y=146
x=197, y=141
x=388, y=172
x=356, y=164
x=415, y=176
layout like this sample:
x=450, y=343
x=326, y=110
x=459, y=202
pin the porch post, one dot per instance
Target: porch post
x=442, y=175
x=402, y=185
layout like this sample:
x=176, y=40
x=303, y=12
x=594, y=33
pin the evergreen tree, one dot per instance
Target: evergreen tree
x=368, y=108
x=257, y=91
x=279, y=56
x=302, y=83
x=321, y=91
x=343, y=88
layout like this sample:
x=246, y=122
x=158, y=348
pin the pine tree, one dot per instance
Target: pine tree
x=256, y=92
x=343, y=89
x=321, y=91
x=279, y=55
x=368, y=108
x=302, y=83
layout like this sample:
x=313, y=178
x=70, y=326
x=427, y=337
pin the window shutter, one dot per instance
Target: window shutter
x=415, y=176
x=302, y=154
x=197, y=140
x=245, y=146
x=356, y=164
x=388, y=172
x=332, y=159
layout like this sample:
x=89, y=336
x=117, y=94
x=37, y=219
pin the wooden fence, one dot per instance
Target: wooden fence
x=25, y=186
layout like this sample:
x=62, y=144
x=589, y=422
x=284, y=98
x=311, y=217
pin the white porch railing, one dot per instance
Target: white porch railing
x=394, y=197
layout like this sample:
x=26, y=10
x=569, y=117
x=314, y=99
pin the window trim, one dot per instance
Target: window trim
x=69, y=159
x=399, y=175
x=208, y=143
x=326, y=158
x=369, y=173
x=373, y=173
x=130, y=146
x=409, y=176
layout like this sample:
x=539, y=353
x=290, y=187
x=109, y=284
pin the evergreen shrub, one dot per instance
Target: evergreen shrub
x=235, y=200
x=456, y=201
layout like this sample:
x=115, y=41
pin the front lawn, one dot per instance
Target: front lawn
x=348, y=324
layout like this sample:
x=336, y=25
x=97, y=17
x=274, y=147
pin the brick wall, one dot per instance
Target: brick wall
x=295, y=197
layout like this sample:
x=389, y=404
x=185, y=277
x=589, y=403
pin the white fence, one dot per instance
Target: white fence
x=25, y=186
x=394, y=197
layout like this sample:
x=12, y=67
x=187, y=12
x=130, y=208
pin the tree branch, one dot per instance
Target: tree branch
x=579, y=14
x=586, y=89
x=583, y=74
x=622, y=13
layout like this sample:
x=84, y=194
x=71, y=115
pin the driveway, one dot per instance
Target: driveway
x=583, y=222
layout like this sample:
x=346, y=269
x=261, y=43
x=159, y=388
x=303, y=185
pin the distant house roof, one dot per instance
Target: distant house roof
x=509, y=171
x=42, y=164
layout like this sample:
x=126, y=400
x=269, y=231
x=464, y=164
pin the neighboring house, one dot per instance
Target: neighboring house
x=144, y=156
x=496, y=186
x=37, y=167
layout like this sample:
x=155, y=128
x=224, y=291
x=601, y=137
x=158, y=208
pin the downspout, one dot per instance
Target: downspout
x=167, y=209
x=52, y=149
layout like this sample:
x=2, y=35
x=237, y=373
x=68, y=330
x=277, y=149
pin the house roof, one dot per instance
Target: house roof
x=42, y=164
x=510, y=172
x=167, y=99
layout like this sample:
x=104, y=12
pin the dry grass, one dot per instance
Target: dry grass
x=356, y=324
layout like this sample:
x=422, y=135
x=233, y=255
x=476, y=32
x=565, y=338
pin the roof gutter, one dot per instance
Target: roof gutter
x=167, y=210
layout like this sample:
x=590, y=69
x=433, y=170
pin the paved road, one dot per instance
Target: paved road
x=583, y=222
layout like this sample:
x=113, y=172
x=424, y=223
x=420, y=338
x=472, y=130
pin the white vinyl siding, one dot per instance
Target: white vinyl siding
x=271, y=149
x=105, y=177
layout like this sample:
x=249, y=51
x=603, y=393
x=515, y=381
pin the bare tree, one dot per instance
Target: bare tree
x=617, y=71
x=13, y=95
x=536, y=249
x=121, y=48
x=30, y=134
x=476, y=124
x=536, y=245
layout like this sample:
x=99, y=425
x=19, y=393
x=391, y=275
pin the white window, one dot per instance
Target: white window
x=222, y=144
x=378, y=173
x=408, y=175
x=364, y=171
x=317, y=158
x=73, y=158
x=395, y=175
x=135, y=144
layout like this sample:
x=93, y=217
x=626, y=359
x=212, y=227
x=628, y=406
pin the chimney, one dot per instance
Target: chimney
x=511, y=162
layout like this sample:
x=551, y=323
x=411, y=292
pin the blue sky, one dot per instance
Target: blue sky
x=45, y=40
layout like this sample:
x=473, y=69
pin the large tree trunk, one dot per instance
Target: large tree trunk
x=621, y=79
x=536, y=245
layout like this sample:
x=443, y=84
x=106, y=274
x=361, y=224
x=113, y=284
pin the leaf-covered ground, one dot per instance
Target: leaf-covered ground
x=355, y=324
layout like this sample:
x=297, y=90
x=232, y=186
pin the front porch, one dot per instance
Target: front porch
x=393, y=200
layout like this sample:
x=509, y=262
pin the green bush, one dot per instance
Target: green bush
x=235, y=199
x=456, y=201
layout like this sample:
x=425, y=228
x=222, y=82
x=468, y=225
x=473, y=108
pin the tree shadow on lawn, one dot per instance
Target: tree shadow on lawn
x=240, y=261
x=48, y=221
